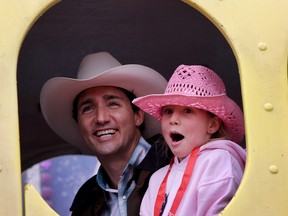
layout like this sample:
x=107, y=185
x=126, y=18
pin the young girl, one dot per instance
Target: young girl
x=202, y=127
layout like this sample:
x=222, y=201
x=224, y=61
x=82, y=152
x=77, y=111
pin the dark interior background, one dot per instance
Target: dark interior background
x=161, y=34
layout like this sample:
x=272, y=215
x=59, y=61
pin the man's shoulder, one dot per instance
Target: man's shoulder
x=88, y=189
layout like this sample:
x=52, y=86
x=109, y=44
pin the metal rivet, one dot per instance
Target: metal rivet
x=262, y=46
x=273, y=169
x=268, y=107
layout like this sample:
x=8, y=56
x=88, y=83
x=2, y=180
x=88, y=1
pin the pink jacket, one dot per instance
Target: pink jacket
x=216, y=176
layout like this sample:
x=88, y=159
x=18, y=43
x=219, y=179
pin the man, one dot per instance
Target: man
x=95, y=113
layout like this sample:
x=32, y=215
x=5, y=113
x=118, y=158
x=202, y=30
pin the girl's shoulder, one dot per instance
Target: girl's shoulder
x=227, y=146
x=160, y=172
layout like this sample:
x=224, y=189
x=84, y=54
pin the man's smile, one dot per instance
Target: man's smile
x=106, y=132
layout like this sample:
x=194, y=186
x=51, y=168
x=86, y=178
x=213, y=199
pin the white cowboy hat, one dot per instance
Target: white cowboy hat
x=197, y=86
x=98, y=69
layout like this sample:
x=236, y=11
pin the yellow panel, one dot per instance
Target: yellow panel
x=16, y=17
x=35, y=205
x=258, y=34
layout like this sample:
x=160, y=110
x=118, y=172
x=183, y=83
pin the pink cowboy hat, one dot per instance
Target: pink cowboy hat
x=98, y=69
x=197, y=86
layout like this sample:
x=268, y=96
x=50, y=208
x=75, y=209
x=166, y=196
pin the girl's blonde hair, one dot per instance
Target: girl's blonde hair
x=221, y=133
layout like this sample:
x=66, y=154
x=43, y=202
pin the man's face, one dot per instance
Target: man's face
x=107, y=122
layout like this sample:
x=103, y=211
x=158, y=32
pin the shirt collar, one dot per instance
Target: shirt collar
x=138, y=155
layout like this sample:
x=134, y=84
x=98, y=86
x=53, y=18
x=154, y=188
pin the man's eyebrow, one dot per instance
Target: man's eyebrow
x=111, y=97
x=87, y=101
x=105, y=97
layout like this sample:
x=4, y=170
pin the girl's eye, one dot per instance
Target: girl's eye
x=188, y=110
x=166, y=111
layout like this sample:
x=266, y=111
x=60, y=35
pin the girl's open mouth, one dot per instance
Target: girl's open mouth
x=176, y=136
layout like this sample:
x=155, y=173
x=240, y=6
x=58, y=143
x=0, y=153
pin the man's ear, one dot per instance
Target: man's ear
x=139, y=117
x=214, y=125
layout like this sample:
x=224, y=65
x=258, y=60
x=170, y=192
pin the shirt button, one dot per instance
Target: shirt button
x=124, y=197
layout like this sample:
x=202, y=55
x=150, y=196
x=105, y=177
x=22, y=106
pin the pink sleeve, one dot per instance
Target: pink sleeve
x=213, y=198
x=220, y=179
x=149, y=199
x=146, y=205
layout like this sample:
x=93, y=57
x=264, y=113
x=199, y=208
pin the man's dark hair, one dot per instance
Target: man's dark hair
x=130, y=96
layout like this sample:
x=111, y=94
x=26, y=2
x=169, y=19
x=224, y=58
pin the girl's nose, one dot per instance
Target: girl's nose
x=174, y=120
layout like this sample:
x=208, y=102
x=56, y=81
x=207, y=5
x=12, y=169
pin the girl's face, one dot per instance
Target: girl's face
x=185, y=128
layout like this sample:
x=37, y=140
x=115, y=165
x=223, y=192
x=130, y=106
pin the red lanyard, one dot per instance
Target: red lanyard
x=162, y=196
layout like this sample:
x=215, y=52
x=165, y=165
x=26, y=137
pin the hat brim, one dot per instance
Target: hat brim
x=222, y=106
x=58, y=94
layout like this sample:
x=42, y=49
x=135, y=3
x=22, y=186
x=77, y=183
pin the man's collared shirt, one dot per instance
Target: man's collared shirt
x=117, y=200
